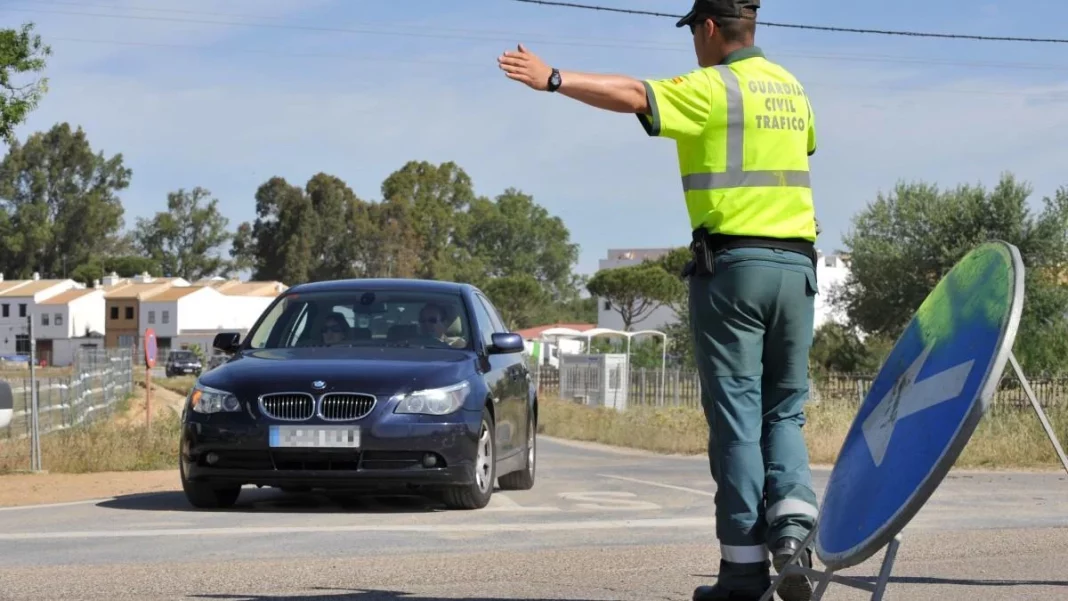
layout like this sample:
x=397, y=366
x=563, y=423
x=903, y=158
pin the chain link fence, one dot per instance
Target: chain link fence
x=96, y=383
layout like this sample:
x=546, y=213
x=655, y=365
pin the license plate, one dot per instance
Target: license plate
x=188, y=370
x=315, y=437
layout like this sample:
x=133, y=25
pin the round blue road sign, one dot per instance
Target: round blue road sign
x=150, y=347
x=923, y=406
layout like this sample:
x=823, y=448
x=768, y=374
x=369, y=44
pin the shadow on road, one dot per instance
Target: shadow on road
x=274, y=501
x=356, y=595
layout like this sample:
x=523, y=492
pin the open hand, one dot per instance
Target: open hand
x=524, y=66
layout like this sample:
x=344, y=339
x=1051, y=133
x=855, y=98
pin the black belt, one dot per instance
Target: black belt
x=706, y=246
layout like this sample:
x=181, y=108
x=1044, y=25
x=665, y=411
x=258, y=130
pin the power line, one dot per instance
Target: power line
x=497, y=36
x=917, y=34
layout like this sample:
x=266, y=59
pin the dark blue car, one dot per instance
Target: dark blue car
x=367, y=385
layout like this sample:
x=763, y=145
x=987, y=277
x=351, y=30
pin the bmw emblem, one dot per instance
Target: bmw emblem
x=318, y=385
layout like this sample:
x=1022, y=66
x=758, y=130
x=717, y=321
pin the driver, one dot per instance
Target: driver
x=335, y=329
x=432, y=323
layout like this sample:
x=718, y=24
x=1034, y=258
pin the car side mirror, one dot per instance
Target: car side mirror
x=7, y=404
x=227, y=342
x=506, y=343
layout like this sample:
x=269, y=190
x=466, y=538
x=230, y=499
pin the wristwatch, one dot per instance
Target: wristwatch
x=554, y=80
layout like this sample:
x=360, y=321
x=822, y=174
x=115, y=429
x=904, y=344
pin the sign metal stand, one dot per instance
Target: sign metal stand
x=922, y=409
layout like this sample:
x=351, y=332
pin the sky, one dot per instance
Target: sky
x=226, y=94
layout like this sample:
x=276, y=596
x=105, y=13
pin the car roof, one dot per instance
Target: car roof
x=398, y=284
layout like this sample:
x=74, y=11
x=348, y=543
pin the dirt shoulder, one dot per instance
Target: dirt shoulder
x=37, y=489
x=44, y=488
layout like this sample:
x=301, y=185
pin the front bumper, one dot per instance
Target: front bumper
x=391, y=453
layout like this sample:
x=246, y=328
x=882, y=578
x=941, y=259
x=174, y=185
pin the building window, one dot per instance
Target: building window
x=114, y=312
x=22, y=309
x=151, y=317
x=7, y=310
x=58, y=319
x=129, y=313
x=607, y=305
x=126, y=341
x=44, y=319
x=166, y=317
x=22, y=344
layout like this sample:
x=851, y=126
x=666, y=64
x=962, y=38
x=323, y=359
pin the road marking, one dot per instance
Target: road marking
x=660, y=484
x=48, y=505
x=664, y=523
x=607, y=501
x=499, y=502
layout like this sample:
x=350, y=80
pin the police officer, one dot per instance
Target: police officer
x=744, y=132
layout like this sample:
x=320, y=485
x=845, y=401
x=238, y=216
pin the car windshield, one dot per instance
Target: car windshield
x=364, y=318
x=183, y=356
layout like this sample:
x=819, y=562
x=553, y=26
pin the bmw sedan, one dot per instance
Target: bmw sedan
x=365, y=385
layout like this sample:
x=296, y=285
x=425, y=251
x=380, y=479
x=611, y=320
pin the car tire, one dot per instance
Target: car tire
x=203, y=495
x=476, y=495
x=524, y=479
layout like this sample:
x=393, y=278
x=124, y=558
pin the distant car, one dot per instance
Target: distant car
x=180, y=363
x=432, y=395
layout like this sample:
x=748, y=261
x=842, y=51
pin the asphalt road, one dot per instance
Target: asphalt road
x=599, y=524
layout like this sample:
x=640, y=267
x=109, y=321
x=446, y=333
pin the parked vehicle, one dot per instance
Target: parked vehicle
x=380, y=385
x=182, y=363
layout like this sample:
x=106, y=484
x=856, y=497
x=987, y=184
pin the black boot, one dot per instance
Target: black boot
x=795, y=587
x=718, y=593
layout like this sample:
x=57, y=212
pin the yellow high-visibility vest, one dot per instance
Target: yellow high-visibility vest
x=744, y=131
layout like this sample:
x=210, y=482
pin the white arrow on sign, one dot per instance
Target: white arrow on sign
x=908, y=397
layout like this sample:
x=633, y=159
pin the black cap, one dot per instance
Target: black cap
x=717, y=8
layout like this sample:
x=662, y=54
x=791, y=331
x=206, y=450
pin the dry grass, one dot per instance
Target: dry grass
x=1006, y=439
x=180, y=385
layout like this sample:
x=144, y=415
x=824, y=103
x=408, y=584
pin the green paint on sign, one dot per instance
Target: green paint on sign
x=980, y=285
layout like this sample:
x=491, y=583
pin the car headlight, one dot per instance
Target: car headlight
x=435, y=401
x=205, y=399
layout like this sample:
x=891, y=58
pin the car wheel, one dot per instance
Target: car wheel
x=524, y=479
x=203, y=495
x=476, y=495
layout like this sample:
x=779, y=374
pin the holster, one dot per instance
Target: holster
x=706, y=246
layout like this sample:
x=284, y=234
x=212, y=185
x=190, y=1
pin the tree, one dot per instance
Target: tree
x=514, y=236
x=433, y=200
x=519, y=299
x=21, y=51
x=59, y=203
x=126, y=266
x=635, y=291
x=904, y=243
x=838, y=348
x=185, y=240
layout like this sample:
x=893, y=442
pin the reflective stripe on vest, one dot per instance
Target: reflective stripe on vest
x=736, y=176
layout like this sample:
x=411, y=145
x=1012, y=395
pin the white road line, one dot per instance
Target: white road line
x=48, y=505
x=665, y=523
x=661, y=485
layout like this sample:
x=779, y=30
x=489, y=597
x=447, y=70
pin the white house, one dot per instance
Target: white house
x=18, y=302
x=831, y=271
x=183, y=317
x=68, y=321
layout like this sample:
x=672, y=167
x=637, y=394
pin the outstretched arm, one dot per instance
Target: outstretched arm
x=617, y=93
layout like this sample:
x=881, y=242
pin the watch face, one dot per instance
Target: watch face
x=555, y=79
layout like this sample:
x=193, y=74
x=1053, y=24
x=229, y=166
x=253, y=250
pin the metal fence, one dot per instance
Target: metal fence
x=682, y=388
x=97, y=381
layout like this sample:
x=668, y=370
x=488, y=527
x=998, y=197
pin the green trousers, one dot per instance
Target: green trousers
x=752, y=321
